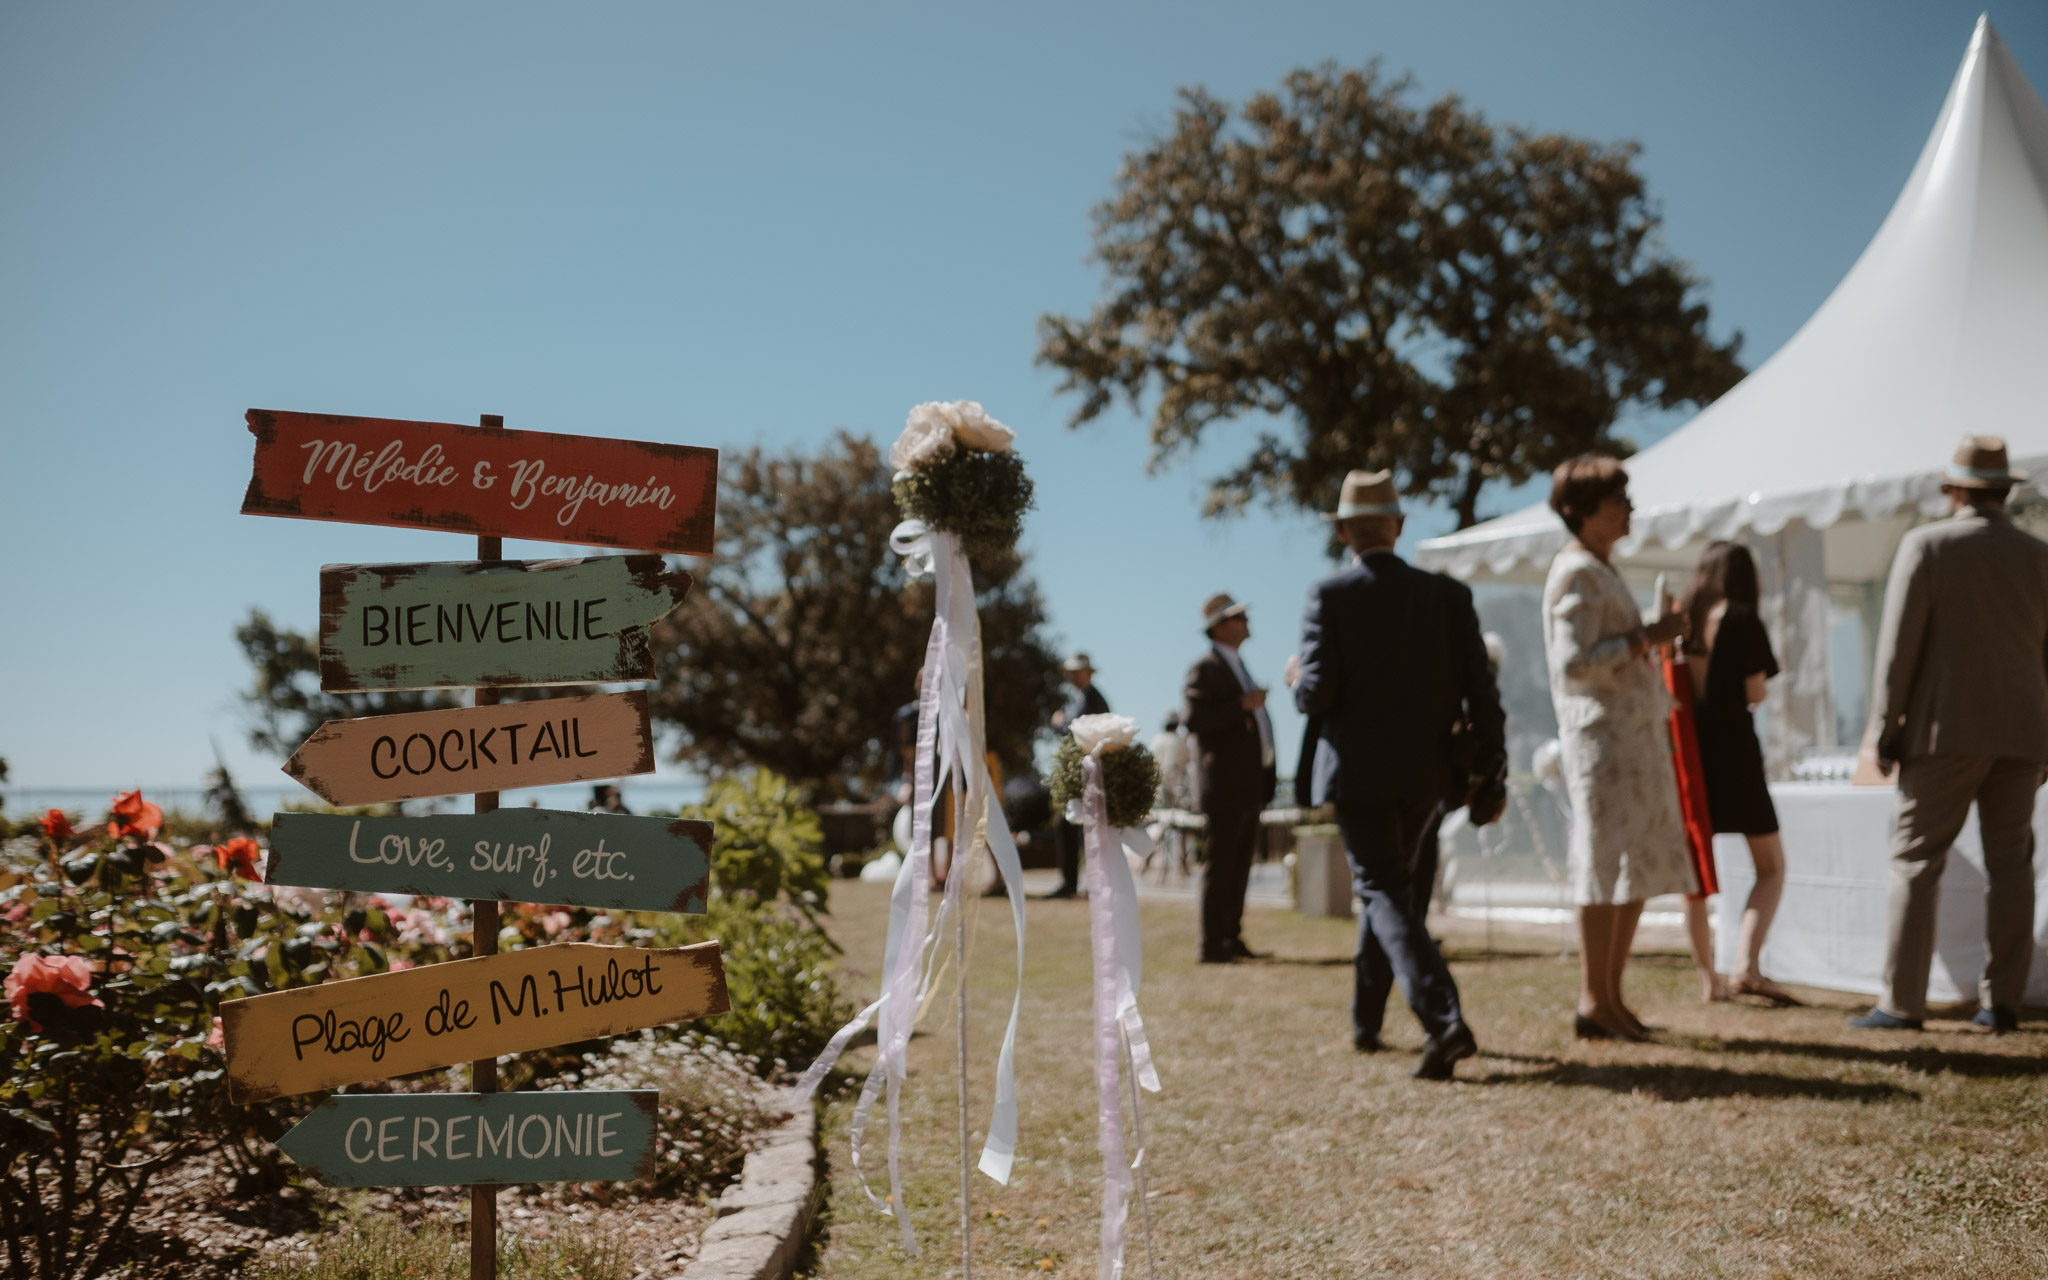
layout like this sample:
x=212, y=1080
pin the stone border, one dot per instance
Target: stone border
x=762, y=1217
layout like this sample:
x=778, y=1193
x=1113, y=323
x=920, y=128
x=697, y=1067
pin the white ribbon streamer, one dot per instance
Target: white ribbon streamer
x=1119, y=968
x=950, y=744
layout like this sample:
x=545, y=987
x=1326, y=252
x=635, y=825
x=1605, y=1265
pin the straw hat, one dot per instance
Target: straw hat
x=1078, y=661
x=1367, y=493
x=1219, y=607
x=1980, y=463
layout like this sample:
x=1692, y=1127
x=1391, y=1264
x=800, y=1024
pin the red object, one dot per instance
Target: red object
x=56, y=825
x=131, y=815
x=513, y=484
x=1692, y=781
x=238, y=856
x=66, y=977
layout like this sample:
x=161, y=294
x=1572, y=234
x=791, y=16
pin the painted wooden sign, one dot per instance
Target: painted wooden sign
x=610, y=860
x=393, y=1024
x=460, y=624
x=515, y=484
x=378, y=759
x=457, y=1139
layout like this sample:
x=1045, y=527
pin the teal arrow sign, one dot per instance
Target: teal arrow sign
x=606, y=860
x=457, y=1139
x=501, y=622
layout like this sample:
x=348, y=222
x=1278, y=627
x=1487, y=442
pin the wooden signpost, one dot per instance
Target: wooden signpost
x=494, y=1139
x=610, y=860
x=483, y=480
x=378, y=759
x=460, y=625
x=481, y=625
x=393, y=1024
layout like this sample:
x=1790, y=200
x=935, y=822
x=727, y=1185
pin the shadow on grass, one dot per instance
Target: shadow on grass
x=1681, y=1082
x=1929, y=1060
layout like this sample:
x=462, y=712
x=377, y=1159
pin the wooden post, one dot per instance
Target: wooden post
x=483, y=1076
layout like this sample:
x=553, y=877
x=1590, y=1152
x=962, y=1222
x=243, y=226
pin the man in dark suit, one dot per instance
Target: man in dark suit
x=1392, y=667
x=1225, y=711
x=1079, y=698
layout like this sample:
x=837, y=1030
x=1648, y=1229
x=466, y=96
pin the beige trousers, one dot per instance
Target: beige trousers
x=1935, y=794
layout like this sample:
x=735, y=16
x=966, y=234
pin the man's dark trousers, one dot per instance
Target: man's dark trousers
x=1383, y=842
x=1231, y=839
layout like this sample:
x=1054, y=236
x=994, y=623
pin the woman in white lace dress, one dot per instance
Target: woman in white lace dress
x=1628, y=838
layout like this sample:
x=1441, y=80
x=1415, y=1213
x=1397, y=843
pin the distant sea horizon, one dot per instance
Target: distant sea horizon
x=87, y=803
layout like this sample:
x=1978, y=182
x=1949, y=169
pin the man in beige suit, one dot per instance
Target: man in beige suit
x=1961, y=710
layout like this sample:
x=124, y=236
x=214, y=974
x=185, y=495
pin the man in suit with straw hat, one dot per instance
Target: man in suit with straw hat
x=1960, y=710
x=1392, y=668
x=1225, y=710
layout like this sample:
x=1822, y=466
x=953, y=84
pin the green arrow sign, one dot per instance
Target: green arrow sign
x=506, y=622
x=520, y=855
x=454, y=1139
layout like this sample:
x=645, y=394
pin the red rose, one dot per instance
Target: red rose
x=68, y=978
x=238, y=857
x=56, y=825
x=132, y=815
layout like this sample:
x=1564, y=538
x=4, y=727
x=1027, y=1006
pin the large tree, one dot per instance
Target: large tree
x=804, y=634
x=1405, y=287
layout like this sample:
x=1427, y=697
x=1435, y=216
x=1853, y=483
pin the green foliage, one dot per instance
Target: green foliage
x=981, y=497
x=1130, y=780
x=779, y=978
x=766, y=844
x=1409, y=285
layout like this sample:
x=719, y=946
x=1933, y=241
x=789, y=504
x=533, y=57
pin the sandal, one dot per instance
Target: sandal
x=1765, y=989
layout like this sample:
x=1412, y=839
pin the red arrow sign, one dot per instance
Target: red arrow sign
x=516, y=484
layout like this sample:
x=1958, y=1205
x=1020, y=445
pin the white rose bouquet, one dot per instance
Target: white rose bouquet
x=1130, y=774
x=957, y=471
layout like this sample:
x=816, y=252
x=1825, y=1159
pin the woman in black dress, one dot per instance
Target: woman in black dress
x=1730, y=659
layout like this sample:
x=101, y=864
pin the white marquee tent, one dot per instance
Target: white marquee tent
x=1825, y=455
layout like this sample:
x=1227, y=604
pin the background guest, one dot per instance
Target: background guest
x=1731, y=659
x=1170, y=749
x=1961, y=711
x=1391, y=667
x=1234, y=776
x=1628, y=839
x=1081, y=698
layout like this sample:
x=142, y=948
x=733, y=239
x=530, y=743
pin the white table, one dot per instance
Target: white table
x=1830, y=930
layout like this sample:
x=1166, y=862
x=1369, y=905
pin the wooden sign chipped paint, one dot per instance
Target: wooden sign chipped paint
x=610, y=860
x=456, y=1139
x=460, y=624
x=515, y=484
x=378, y=759
x=393, y=1024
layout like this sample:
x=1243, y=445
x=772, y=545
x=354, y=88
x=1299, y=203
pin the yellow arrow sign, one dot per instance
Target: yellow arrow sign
x=393, y=1024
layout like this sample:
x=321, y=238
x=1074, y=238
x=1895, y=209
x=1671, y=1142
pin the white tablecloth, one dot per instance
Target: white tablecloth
x=1830, y=930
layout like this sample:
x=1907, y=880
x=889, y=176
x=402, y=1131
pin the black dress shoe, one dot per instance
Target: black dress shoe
x=1365, y=1043
x=1236, y=947
x=1444, y=1051
x=1879, y=1020
x=1997, y=1021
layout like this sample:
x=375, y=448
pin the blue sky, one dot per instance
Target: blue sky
x=727, y=226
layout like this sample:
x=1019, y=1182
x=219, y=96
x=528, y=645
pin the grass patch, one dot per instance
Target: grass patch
x=1748, y=1142
x=381, y=1247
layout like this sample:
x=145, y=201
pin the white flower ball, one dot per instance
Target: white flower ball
x=1106, y=732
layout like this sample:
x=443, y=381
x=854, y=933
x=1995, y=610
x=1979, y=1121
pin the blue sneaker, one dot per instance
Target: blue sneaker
x=1997, y=1021
x=1879, y=1020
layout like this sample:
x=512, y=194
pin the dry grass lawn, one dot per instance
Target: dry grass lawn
x=1750, y=1142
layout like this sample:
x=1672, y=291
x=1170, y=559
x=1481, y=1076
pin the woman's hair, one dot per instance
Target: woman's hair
x=1581, y=484
x=1727, y=572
